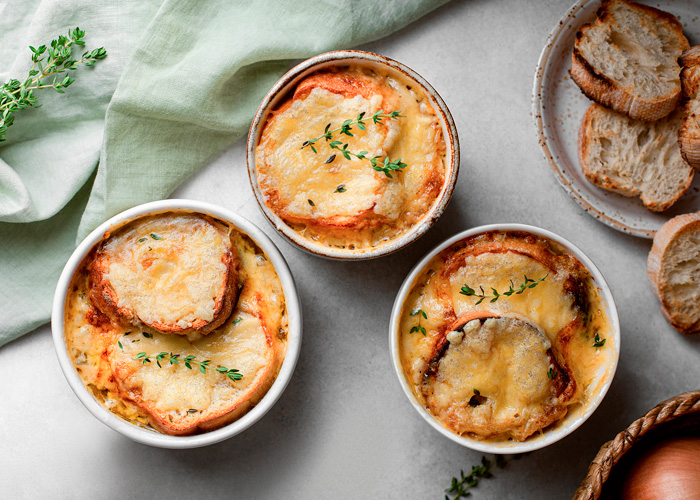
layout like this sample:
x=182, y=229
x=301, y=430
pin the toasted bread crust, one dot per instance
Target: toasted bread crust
x=689, y=134
x=605, y=91
x=106, y=298
x=563, y=386
x=670, y=306
x=200, y=422
x=587, y=136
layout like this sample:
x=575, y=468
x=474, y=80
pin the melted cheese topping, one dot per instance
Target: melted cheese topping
x=507, y=360
x=301, y=187
x=548, y=306
x=172, y=398
x=168, y=270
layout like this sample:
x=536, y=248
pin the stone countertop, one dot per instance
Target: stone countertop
x=343, y=429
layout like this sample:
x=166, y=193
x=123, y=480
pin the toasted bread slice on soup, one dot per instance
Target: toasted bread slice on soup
x=627, y=59
x=300, y=185
x=181, y=401
x=506, y=349
x=511, y=352
x=633, y=157
x=173, y=274
x=673, y=268
x=689, y=134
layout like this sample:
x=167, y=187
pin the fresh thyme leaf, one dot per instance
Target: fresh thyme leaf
x=141, y=240
x=48, y=62
x=340, y=189
x=527, y=283
x=418, y=327
x=476, y=392
x=598, y=341
x=155, y=236
x=551, y=373
x=147, y=335
x=192, y=410
x=188, y=361
x=387, y=166
x=311, y=202
x=120, y=345
x=236, y=321
x=459, y=486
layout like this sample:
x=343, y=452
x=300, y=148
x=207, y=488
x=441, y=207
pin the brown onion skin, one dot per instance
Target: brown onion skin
x=668, y=471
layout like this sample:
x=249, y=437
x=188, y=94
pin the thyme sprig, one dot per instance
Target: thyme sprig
x=460, y=485
x=188, y=361
x=418, y=327
x=597, y=341
x=387, y=166
x=527, y=283
x=50, y=61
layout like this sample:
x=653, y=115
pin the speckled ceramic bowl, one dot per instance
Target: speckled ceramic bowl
x=145, y=435
x=282, y=89
x=572, y=420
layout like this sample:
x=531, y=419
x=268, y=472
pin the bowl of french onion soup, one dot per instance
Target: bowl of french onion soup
x=177, y=323
x=352, y=155
x=505, y=338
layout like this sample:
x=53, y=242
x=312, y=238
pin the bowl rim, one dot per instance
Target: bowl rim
x=549, y=437
x=155, y=438
x=283, y=86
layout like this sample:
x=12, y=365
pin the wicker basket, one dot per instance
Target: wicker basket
x=676, y=416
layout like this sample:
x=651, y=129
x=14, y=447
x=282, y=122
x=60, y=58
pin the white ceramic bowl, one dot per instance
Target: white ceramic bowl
x=282, y=89
x=570, y=421
x=152, y=437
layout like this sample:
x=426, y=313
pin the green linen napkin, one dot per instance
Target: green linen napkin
x=181, y=82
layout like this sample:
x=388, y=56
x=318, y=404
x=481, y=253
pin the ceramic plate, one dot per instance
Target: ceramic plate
x=559, y=105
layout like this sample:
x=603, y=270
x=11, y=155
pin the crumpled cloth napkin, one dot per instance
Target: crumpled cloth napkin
x=181, y=82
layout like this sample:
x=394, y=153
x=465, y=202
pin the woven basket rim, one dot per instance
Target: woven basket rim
x=611, y=452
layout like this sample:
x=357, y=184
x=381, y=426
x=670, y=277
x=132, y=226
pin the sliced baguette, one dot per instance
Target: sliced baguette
x=627, y=59
x=673, y=269
x=633, y=157
x=689, y=134
x=173, y=273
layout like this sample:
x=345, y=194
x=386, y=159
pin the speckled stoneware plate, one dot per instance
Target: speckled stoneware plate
x=558, y=107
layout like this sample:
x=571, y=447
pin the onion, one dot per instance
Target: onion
x=668, y=471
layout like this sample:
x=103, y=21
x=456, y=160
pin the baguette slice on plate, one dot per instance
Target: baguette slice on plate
x=633, y=157
x=627, y=59
x=689, y=134
x=673, y=268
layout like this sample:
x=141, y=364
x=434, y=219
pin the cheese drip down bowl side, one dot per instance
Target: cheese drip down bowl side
x=282, y=92
x=408, y=365
x=143, y=434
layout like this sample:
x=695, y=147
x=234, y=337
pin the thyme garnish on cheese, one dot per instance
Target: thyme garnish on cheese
x=418, y=327
x=527, y=283
x=340, y=189
x=188, y=361
x=460, y=485
x=16, y=95
x=387, y=166
x=598, y=342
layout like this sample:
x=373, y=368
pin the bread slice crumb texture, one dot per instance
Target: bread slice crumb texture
x=627, y=59
x=673, y=268
x=634, y=157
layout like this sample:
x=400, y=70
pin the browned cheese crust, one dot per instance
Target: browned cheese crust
x=375, y=208
x=106, y=298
